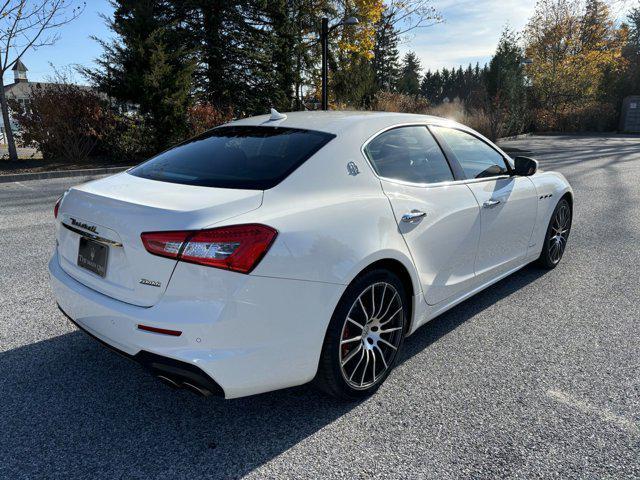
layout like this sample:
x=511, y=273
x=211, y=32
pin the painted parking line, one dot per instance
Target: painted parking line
x=602, y=413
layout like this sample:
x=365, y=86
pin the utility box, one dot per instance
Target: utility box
x=630, y=118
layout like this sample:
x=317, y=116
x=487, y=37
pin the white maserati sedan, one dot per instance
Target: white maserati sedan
x=277, y=250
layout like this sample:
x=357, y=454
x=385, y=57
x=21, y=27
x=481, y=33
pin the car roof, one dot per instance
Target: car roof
x=338, y=122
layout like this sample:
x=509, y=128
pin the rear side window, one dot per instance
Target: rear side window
x=243, y=157
x=410, y=154
x=478, y=160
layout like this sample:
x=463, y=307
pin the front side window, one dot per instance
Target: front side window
x=409, y=154
x=477, y=159
x=243, y=157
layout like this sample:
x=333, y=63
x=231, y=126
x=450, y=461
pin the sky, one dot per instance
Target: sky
x=469, y=34
x=471, y=30
x=75, y=47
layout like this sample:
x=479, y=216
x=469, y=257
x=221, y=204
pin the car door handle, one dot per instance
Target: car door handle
x=491, y=203
x=413, y=216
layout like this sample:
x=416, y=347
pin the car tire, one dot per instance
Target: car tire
x=556, y=236
x=364, y=337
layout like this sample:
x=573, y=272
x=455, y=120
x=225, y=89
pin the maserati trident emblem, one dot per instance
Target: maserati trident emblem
x=353, y=169
x=93, y=254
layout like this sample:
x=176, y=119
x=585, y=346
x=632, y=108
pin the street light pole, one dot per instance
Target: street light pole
x=324, y=39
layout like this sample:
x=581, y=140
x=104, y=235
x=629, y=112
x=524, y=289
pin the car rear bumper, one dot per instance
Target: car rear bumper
x=241, y=334
x=177, y=373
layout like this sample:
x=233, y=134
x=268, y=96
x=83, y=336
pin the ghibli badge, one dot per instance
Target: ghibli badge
x=151, y=283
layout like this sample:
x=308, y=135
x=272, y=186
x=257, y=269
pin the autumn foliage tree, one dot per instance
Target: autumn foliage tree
x=64, y=121
x=573, y=49
x=204, y=116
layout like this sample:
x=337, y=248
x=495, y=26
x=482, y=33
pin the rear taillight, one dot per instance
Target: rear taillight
x=57, y=206
x=165, y=244
x=238, y=248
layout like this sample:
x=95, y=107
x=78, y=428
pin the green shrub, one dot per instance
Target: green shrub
x=127, y=139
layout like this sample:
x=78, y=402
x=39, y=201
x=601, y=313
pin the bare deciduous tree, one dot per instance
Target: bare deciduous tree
x=405, y=16
x=27, y=25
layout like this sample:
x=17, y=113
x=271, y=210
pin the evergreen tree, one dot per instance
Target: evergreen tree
x=142, y=66
x=386, y=63
x=505, y=83
x=426, y=86
x=231, y=40
x=446, y=85
x=354, y=82
x=283, y=42
x=409, y=82
x=629, y=82
x=469, y=84
x=431, y=87
x=290, y=25
x=633, y=22
x=459, y=84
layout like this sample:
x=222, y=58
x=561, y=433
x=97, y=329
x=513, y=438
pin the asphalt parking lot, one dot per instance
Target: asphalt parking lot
x=539, y=376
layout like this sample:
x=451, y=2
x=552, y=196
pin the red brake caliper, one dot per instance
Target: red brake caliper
x=345, y=336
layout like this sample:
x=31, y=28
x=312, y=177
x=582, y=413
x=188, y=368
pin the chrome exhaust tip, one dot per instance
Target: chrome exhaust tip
x=168, y=381
x=196, y=389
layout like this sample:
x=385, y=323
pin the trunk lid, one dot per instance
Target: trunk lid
x=118, y=209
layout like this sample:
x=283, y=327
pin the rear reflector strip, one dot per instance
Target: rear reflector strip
x=173, y=333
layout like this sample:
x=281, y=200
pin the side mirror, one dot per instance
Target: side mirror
x=525, y=166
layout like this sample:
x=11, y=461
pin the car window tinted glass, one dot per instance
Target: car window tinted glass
x=477, y=159
x=245, y=157
x=410, y=154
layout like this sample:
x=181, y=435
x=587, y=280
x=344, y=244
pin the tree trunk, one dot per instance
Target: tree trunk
x=8, y=133
x=213, y=54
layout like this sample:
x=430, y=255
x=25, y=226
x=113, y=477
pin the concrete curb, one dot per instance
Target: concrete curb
x=22, y=177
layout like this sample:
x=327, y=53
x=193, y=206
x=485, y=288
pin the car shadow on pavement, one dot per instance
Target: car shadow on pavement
x=72, y=408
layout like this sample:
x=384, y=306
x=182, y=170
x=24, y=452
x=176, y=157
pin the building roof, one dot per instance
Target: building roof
x=24, y=89
x=19, y=66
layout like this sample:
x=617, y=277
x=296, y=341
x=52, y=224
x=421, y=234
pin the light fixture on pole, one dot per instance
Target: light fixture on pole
x=525, y=62
x=324, y=40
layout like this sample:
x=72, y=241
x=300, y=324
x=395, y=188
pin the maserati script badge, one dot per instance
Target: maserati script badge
x=76, y=223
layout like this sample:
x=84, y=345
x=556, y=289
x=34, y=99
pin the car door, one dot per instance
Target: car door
x=438, y=217
x=508, y=204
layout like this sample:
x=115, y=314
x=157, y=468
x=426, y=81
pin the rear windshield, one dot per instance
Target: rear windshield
x=244, y=157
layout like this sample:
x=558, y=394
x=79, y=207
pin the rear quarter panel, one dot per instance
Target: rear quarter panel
x=332, y=222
